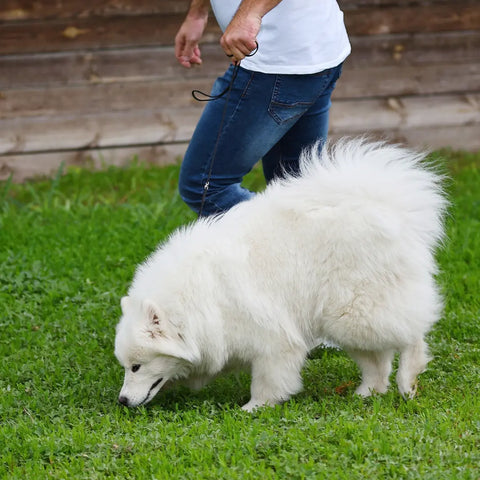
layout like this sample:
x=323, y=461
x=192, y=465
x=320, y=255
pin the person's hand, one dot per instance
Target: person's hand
x=187, y=50
x=239, y=38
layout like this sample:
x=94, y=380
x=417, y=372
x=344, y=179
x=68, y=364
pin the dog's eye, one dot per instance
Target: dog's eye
x=135, y=368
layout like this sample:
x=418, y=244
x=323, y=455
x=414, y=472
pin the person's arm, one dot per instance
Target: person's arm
x=187, y=50
x=239, y=38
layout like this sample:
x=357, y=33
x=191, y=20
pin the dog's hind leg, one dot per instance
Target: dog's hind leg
x=376, y=368
x=413, y=361
x=275, y=379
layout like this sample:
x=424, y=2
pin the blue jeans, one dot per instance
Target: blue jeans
x=269, y=117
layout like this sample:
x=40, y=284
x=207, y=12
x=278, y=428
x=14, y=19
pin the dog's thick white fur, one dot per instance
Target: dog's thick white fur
x=343, y=252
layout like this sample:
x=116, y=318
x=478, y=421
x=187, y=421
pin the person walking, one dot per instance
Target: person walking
x=286, y=58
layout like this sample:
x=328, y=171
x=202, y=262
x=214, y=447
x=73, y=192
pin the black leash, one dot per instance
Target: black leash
x=209, y=98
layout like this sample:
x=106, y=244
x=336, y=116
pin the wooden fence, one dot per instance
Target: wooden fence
x=88, y=82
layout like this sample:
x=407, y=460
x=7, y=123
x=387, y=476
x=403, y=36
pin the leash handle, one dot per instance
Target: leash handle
x=205, y=97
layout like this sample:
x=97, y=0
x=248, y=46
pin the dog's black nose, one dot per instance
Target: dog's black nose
x=123, y=400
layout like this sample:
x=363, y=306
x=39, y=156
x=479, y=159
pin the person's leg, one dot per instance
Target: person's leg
x=310, y=128
x=225, y=146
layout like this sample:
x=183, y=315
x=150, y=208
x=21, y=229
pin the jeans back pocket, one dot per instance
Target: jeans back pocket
x=293, y=95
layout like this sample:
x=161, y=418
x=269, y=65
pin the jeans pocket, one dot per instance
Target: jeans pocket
x=293, y=95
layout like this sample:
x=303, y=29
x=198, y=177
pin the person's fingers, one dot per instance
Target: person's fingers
x=180, y=51
x=197, y=56
x=237, y=49
x=187, y=53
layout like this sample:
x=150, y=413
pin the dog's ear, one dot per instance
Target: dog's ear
x=157, y=324
x=152, y=312
x=171, y=342
x=124, y=302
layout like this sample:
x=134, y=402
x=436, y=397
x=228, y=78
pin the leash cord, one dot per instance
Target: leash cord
x=209, y=98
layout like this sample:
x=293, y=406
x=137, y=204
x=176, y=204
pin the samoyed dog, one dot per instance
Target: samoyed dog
x=342, y=252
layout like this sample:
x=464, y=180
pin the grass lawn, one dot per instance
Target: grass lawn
x=68, y=249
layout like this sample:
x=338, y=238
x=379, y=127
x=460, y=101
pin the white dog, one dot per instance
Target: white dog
x=343, y=252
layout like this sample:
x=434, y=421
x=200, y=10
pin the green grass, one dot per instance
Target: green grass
x=68, y=249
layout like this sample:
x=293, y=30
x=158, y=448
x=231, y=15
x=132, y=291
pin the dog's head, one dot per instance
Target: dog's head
x=150, y=348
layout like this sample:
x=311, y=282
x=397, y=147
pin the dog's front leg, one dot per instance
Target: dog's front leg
x=275, y=379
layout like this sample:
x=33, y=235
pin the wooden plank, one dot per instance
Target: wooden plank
x=390, y=114
x=419, y=49
x=143, y=127
x=92, y=99
x=144, y=30
x=354, y=4
x=407, y=80
x=106, y=129
x=412, y=19
x=24, y=10
x=425, y=137
x=124, y=96
x=94, y=33
x=455, y=137
x=152, y=63
x=29, y=165
x=107, y=66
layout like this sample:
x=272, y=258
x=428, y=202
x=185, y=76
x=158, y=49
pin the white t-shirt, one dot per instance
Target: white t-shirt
x=296, y=37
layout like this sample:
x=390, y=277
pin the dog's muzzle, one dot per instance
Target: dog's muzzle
x=123, y=400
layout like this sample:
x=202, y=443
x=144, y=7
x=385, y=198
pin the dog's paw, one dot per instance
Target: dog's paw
x=409, y=393
x=253, y=405
x=367, y=390
x=250, y=407
x=364, y=391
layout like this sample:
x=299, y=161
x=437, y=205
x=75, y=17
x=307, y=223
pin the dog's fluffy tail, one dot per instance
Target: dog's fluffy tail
x=391, y=176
